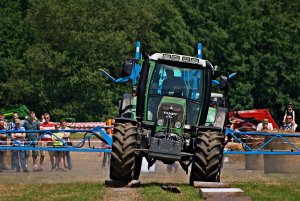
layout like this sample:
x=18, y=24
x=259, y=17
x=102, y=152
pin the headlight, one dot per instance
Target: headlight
x=160, y=122
x=186, y=126
x=177, y=124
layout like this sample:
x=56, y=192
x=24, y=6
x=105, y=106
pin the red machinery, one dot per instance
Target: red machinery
x=247, y=120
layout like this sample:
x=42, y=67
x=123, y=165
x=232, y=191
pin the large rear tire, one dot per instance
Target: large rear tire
x=207, y=161
x=122, y=155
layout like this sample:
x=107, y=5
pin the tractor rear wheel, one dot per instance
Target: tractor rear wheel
x=207, y=161
x=123, y=158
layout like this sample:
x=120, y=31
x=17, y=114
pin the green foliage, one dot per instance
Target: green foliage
x=51, y=50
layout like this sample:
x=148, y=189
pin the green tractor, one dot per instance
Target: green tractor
x=165, y=118
x=22, y=111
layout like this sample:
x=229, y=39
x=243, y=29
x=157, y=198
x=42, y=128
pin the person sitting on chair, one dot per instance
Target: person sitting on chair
x=173, y=85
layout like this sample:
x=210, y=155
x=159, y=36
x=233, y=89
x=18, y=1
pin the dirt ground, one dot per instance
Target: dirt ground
x=87, y=167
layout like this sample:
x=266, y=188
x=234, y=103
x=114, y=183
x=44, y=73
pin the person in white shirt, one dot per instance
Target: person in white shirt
x=264, y=125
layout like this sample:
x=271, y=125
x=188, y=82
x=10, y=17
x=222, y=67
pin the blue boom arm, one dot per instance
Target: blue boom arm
x=216, y=82
x=135, y=72
x=124, y=79
x=134, y=76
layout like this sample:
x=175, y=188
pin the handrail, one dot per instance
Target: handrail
x=98, y=132
x=278, y=134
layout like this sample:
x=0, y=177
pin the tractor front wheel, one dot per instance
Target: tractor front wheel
x=207, y=161
x=123, y=158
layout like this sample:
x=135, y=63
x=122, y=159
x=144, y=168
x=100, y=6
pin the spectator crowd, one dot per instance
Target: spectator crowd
x=60, y=160
x=288, y=125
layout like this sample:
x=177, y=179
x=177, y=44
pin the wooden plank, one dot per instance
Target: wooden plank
x=221, y=192
x=242, y=198
x=201, y=184
x=121, y=194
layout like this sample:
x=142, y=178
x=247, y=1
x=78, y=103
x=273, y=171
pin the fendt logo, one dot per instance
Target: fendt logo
x=171, y=113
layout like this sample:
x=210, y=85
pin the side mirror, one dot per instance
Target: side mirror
x=127, y=68
x=223, y=82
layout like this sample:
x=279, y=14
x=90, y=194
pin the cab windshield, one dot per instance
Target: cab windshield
x=180, y=82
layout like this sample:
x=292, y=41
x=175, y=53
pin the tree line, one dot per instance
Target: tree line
x=51, y=50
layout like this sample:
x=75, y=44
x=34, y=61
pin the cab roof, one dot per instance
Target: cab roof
x=178, y=58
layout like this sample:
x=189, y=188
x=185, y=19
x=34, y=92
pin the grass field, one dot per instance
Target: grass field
x=53, y=192
x=268, y=192
x=149, y=192
x=153, y=192
x=86, y=182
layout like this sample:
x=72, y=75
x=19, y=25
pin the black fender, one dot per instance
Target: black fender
x=221, y=118
x=125, y=106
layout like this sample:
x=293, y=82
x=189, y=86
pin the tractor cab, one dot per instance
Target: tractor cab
x=176, y=92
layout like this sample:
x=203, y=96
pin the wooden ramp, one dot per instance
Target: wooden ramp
x=215, y=191
x=122, y=191
x=244, y=198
